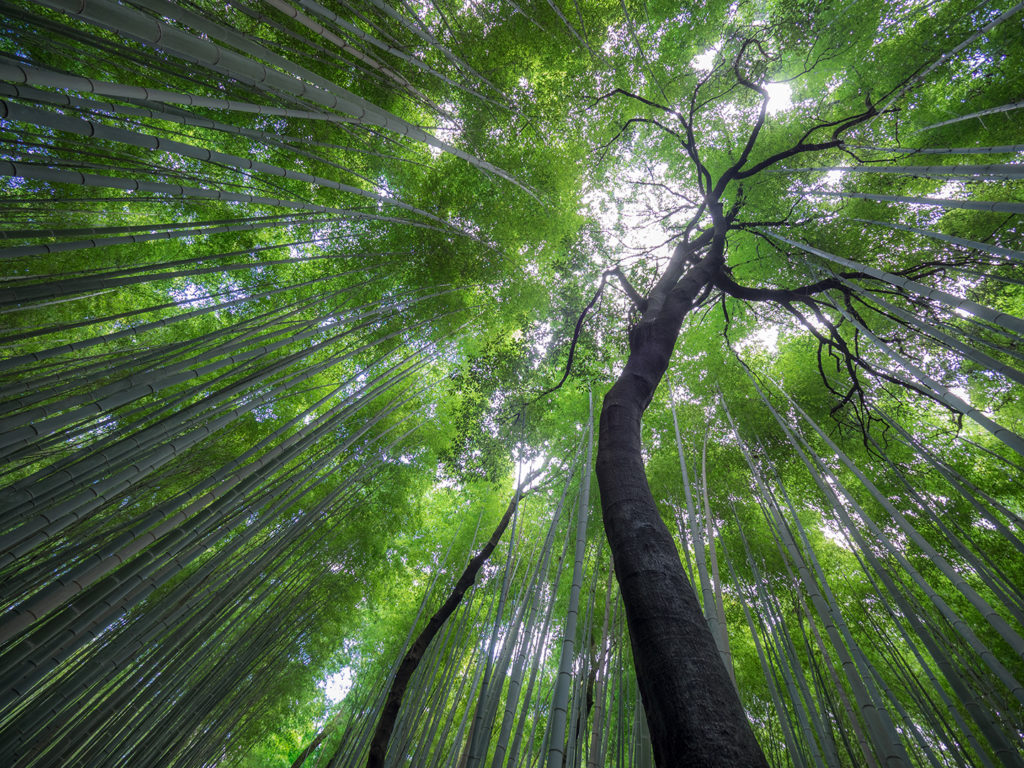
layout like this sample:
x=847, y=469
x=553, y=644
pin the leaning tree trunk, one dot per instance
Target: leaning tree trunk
x=693, y=711
x=389, y=711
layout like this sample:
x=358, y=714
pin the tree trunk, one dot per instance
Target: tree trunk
x=693, y=711
x=389, y=711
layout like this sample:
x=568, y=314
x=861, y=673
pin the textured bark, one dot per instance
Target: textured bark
x=389, y=712
x=693, y=711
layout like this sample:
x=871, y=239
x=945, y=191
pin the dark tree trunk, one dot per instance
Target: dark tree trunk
x=317, y=741
x=389, y=712
x=693, y=711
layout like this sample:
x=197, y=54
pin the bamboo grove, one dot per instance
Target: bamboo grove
x=287, y=291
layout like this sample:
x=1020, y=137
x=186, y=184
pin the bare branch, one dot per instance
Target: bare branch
x=575, y=339
x=648, y=120
x=758, y=124
x=634, y=296
x=668, y=189
x=641, y=99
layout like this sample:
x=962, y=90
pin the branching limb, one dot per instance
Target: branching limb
x=802, y=294
x=830, y=339
x=841, y=126
x=668, y=283
x=683, y=253
x=758, y=124
x=635, y=97
x=704, y=294
x=639, y=302
x=670, y=213
x=575, y=340
x=648, y=120
x=665, y=187
x=783, y=222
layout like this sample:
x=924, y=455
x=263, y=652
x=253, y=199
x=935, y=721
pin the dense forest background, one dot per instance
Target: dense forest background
x=287, y=289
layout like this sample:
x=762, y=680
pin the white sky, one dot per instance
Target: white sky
x=336, y=686
x=779, y=94
x=779, y=97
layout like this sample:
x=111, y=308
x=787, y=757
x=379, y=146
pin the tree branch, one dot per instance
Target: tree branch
x=641, y=99
x=575, y=339
x=800, y=147
x=648, y=120
x=802, y=294
x=634, y=296
x=758, y=124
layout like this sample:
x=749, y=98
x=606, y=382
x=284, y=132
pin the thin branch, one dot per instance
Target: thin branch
x=668, y=189
x=628, y=94
x=575, y=339
x=648, y=120
x=758, y=124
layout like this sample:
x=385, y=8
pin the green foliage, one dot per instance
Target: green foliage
x=271, y=371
